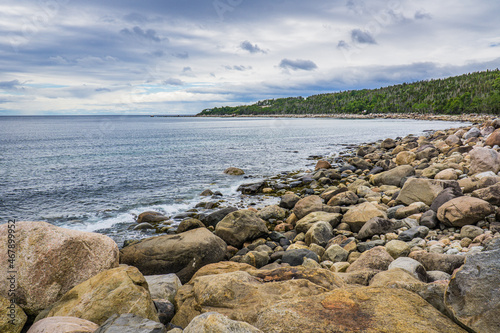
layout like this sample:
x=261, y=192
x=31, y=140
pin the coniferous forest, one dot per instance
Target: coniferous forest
x=469, y=93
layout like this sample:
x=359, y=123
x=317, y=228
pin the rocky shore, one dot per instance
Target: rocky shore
x=400, y=235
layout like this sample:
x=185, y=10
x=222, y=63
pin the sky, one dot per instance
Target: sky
x=182, y=56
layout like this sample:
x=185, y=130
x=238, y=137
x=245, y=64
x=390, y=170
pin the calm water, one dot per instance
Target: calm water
x=95, y=173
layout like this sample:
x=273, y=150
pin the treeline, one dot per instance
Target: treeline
x=469, y=93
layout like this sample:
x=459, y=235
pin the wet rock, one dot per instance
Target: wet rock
x=189, y=224
x=463, y=210
x=288, y=201
x=206, y=193
x=438, y=262
x=215, y=217
x=252, y=188
x=143, y=226
x=232, y=171
x=322, y=164
x=151, y=217
x=241, y=226
x=182, y=254
x=471, y=296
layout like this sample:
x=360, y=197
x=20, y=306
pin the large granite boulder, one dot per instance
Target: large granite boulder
x=310, y=219
x=130, y=323
x=493, y=139
x=51, y=260
x=116, y=291
x=438, y=262
x=355, y=309
x=240, y=227
x=12, y=317
x=182, y=254
x=423, y=190
x=484, y=159
x=393, y=176
x=242, y=295
x=463, y=210
x=63, y=325
x=151, y=217
x=444, y=196
x=303, y=207
x=218, y=323
x=358, y=215
x=473, y=294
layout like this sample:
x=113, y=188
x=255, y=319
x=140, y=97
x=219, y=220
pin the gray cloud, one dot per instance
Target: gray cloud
x=181, y=55
x=343, y=44
x=362, y=37
x=421, y=15
x=247, y=46
x=306, y=65
x=149, y=34
x=240, y=68
x=10, y=85
x=173, y=82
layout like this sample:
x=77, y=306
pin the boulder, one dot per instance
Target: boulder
x=51, y=260
x=163, y=286
x=444, y=196
x=241, y=226
x=484, y=159
x=376, y=226
x=473, y=294
x=474, y=132
x=387, y=144
x=376, y=259
x=218, y=323
x=12, y=317
x=116, y=291
x=355, y=309
x=414, y=232
x=319, y=233
x=358, y=215
x=429, y=219
x=463, y=210
x=393, y=176
x=288, y=201
x=322, y=164
x=215, y=217
x=182, y=254
x=255, y=258
x=412, y=209
x=130, y=323
x=252, y=188
x=447, y=174
x=453, y=140
x=343, y=199
x=490, y=194
x=335, y=253
x=470, y=231
x=312, y=203
x=306, y=222
x=426, y=152
x=423, y=190
x=63, y=325
x=296, y=257
x=240, y=295
x=151, y=217
x=397, y=248
x=405, y=158
x=411, y=266
x=438, y=262
x=493, y=139
x=189, y=224
x=272, y=212
x=232, y=171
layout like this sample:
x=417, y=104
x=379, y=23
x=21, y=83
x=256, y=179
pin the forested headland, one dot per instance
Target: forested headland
x=477, y=92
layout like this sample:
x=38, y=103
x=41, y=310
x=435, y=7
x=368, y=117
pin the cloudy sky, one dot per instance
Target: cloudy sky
x=182, y=56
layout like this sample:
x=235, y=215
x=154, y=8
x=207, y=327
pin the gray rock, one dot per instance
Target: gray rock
x=130, y=323
x=470, y=231
x=215, y=217
x=490, y=194
x=412, y=233
x=241, y=226
x=335, y=253
x=376, y=226
x=218, y=323
x=256, y=258
x=143, y=226
x=288, y=201
x=366, y=246
x=429, y=219
x=444, y=196
x=272, y=212
x=391, y=212
x=437, y=276
x=438, y=262
x=319, y=233
x=296, y=257
x=189, y=224
x=252, y=188
x=163, y=286
x=474, y=132
x=412, y=266
x=166, y=310
x=473, y=294
x=393, y=176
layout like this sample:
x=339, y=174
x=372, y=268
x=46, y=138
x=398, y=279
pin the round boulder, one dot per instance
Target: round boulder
x=63, y=325
x=241, y=226
x=232, y=171
x=463, y=210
